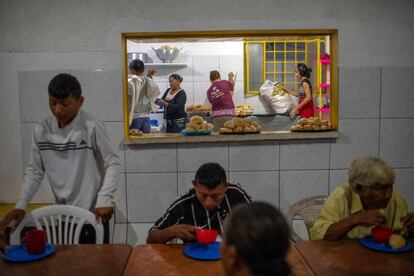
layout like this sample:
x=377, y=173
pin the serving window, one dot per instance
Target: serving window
x=254, y=55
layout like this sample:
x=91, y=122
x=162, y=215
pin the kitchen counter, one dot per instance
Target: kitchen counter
x=163, y=138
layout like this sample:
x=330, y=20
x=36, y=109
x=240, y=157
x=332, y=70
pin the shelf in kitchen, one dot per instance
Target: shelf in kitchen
x=160, y=64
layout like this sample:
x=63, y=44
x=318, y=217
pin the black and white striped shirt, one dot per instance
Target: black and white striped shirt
x=187, y=209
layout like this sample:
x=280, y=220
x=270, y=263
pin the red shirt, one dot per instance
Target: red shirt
x=219, y=95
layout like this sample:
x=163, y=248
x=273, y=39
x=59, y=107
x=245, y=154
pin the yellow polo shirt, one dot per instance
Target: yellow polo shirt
x=343, y=202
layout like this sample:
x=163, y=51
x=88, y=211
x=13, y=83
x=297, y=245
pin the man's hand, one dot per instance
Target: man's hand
x=104, y=213
x=408, y=222
x=183, y=231
x=151, y=73
x=368, y=217
x=15, y=215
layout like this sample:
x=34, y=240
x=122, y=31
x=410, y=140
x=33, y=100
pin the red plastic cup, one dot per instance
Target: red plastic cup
x=381, y=234
x=205, y=235
x=35, y=240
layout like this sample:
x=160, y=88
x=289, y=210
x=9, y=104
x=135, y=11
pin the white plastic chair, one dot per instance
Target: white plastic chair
x=62, y=224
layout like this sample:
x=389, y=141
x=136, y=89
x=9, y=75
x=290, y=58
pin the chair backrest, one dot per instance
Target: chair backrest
x=62, y=224
x=308, y=210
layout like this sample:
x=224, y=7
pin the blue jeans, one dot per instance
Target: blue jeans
x=141, y=123
x=176, y=125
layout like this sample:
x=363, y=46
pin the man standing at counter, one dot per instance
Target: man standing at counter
x=204, y=206
x=142, y=92
x=73, y=149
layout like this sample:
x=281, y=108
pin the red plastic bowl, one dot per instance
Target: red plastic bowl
x=205, y=235
x=381, y=234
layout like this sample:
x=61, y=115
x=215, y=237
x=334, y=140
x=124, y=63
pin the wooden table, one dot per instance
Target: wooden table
x=348, y=257
x=86, y=259
x=161, y=259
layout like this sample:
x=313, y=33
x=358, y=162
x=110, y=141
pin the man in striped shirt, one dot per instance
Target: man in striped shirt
x=204, y=206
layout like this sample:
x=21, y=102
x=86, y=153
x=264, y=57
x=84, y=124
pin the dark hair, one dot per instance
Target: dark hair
x=210, y=175
x=137, y=65
x=64, y=85
x=214, y=75
x=304, y=71
x=260, y=235
x=176, y=77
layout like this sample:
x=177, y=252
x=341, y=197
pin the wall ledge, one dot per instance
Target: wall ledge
x=174, y=138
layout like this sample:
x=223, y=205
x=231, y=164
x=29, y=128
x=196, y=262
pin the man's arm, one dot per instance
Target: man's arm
x=33, y=175
x=184, y=232
x=105, y=197
x=339, y=229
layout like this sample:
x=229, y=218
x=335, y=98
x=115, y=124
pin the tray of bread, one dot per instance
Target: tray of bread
x=197, y=126
x=199, y=108
x=311, y=125
x=241, y=126
x=244, y=110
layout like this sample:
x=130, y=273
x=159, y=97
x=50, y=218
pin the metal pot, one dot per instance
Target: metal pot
x=141, y=56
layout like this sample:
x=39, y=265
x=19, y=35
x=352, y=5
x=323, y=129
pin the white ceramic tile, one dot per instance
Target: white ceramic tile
x=259, y=156
x=359, y=92
x=162, y=75
x=233, y=63
x=149, y=195
x=337, y=178
x=404, y=184
x=103, y=93
x=304, y=155
x=238, y=97
x=100, y=60
x=115, y=131
x=203, y=65
x=189, y=91
x=151, y=158
x=200, y=92
x=33, y=94
x=357, y=137
x=186, y=72
x=397, y=99
x=260, y=185
x=163, y=86
x=120, y=201
x=192, y=156
x=256, y=102
x=118, y=233
x=297, y=185
x=138, y=233
x=397, y=147
x=185, y=182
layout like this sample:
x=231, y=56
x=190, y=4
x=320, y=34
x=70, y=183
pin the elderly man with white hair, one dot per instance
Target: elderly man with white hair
x=368, y=200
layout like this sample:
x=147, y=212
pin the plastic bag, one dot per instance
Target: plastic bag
x=281, y=102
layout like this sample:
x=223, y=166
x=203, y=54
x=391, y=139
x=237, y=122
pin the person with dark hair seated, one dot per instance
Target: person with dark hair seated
x=204, y=206
x=255, y=241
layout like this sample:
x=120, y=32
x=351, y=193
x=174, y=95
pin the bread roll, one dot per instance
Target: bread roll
x=210, y=126
x=225, y=130
x=316, y=127
x=307, y=127
x=196, y=119
x=238, y=129
x=238, y=122
x=193, y=125
x=229, y=124
x=396, y=241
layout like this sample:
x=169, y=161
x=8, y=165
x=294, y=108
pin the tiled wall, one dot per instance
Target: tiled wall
x=376, y=117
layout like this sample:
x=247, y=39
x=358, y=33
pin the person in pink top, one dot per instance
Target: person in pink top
x=220, y=95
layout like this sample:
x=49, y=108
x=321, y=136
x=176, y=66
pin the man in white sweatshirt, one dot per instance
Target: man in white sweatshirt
x=142, y=92
x=74, y=151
